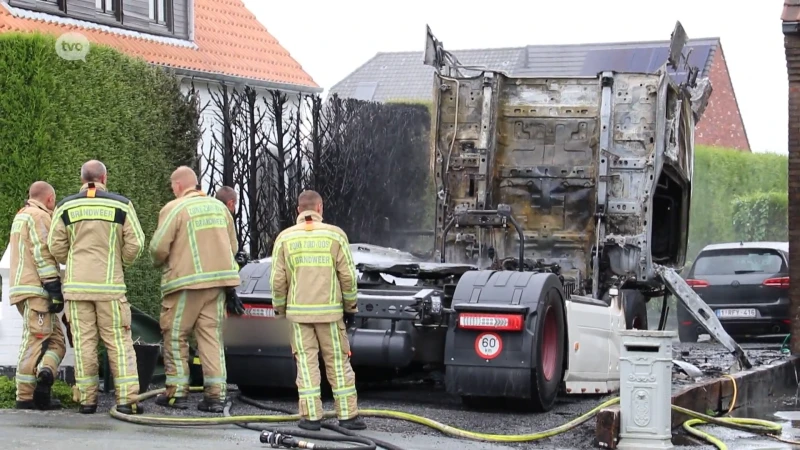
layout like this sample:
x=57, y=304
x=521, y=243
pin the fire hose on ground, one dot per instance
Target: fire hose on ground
x=287, y=438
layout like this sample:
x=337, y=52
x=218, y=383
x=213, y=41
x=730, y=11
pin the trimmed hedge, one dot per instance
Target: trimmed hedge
x=721, y=175
x=762, y=216
x=56, y=114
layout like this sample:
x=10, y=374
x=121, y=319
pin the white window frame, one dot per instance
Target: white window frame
x=105, y=6
x=158, y=11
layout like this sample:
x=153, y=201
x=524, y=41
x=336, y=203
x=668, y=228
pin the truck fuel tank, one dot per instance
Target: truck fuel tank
x=380, y=348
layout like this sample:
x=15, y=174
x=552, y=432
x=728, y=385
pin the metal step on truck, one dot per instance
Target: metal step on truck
x=562, y=208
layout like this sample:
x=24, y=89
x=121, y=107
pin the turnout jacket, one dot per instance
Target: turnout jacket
x=96, y=233
x=195, y=243
x=31, y=261
x=313, y=277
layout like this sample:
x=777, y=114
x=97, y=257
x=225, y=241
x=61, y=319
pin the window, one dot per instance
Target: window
x=739, y=261
x=106, y=6
x=60, y=4
x=160, y=11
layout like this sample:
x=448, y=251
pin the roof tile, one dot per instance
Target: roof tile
x=229, y=41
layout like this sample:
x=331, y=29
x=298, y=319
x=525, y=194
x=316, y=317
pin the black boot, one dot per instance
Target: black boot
x=354, y=424
x=310, y=425
x=87, y=409
x=172, y=402
x=26, y=404
x=41, y=395
x=130, y=409
x=211, y=406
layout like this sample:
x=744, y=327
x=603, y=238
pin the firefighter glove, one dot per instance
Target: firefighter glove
x=53, y=289
x=232, y=302
x=349, y=319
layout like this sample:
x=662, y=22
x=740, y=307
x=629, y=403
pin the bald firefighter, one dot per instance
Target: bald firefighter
x=96, y=233
x=227, y=195
x=36, y=290
x=313, y=284
x=195, y=244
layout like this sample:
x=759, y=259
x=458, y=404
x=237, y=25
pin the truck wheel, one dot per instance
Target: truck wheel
x=635, y=311
x=550, y=335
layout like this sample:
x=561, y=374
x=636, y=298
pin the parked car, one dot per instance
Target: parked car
x=747, y=286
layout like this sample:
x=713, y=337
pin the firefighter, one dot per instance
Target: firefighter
x=195, y=244
x=96, y=234
x=313, y=285
x=227, y=195
x=36, y=290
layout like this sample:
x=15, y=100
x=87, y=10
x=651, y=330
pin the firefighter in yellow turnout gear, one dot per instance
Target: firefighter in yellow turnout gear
x=313, y=283
x=36, y=290
x=96, y=233
x=195, y=243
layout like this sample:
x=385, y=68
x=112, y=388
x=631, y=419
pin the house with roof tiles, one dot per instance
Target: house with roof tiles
x=205, y=42
x=401, y=76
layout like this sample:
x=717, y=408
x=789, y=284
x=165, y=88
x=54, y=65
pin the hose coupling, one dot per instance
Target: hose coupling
x=278, y=440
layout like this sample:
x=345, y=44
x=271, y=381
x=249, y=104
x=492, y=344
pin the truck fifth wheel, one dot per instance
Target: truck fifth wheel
x=562, y=205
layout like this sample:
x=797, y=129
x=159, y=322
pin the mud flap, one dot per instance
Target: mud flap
x=702, y=313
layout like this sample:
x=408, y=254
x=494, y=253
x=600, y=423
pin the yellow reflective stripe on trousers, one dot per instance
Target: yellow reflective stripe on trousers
x=23, y=348
x=223, y=380
x=180, y=379
x=50, y=354
x=198, y=278
x=338, y=366
x=119, y=342
x=305, y=373
x=81, y=380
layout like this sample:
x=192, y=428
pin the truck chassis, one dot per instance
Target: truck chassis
x=563, y=202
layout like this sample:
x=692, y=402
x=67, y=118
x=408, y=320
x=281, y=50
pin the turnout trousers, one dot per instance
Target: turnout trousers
x=201, y=311
x=109, y=321
x=329, y=339
x=42, y=345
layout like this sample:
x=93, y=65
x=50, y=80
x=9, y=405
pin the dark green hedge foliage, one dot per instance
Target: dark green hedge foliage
x=762, y=216
x=720, y=176
x=56, y=114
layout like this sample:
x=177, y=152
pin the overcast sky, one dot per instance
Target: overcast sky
x=330, y=39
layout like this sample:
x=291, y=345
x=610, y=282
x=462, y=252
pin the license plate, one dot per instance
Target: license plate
x=736, y=313
x=258, y=311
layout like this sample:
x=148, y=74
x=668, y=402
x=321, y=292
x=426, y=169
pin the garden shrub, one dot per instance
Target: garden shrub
x=762, y=216
x=56, y=114
x=8, y=393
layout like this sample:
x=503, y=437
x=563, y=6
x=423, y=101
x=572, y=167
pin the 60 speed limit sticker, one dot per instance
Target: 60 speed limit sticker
x=488, y=345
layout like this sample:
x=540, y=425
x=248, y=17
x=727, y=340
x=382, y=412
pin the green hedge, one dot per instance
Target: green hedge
x=762, y=216
x=720, y=175
x=56, y=114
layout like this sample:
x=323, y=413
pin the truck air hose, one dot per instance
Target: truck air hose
x=755, y=426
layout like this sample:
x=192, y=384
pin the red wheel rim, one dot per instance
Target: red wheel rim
x=549, y=348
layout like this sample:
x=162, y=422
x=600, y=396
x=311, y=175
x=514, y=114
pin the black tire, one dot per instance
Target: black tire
x=546, y=378
x=687, y=334
x=635, y=310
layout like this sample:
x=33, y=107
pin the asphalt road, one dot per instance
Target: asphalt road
x=59, y=429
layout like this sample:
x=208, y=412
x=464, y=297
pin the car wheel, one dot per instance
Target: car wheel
x=550, y=334
x=687, y=334
x=635, y=311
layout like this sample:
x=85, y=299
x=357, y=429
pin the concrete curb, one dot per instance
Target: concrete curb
x=712, y=395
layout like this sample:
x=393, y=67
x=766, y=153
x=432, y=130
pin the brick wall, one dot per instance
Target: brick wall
x=792, y=46
x=721, y=124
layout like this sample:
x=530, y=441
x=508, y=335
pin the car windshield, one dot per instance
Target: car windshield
x=738, y=261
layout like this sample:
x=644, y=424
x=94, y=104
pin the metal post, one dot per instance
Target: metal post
x=646, y=390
